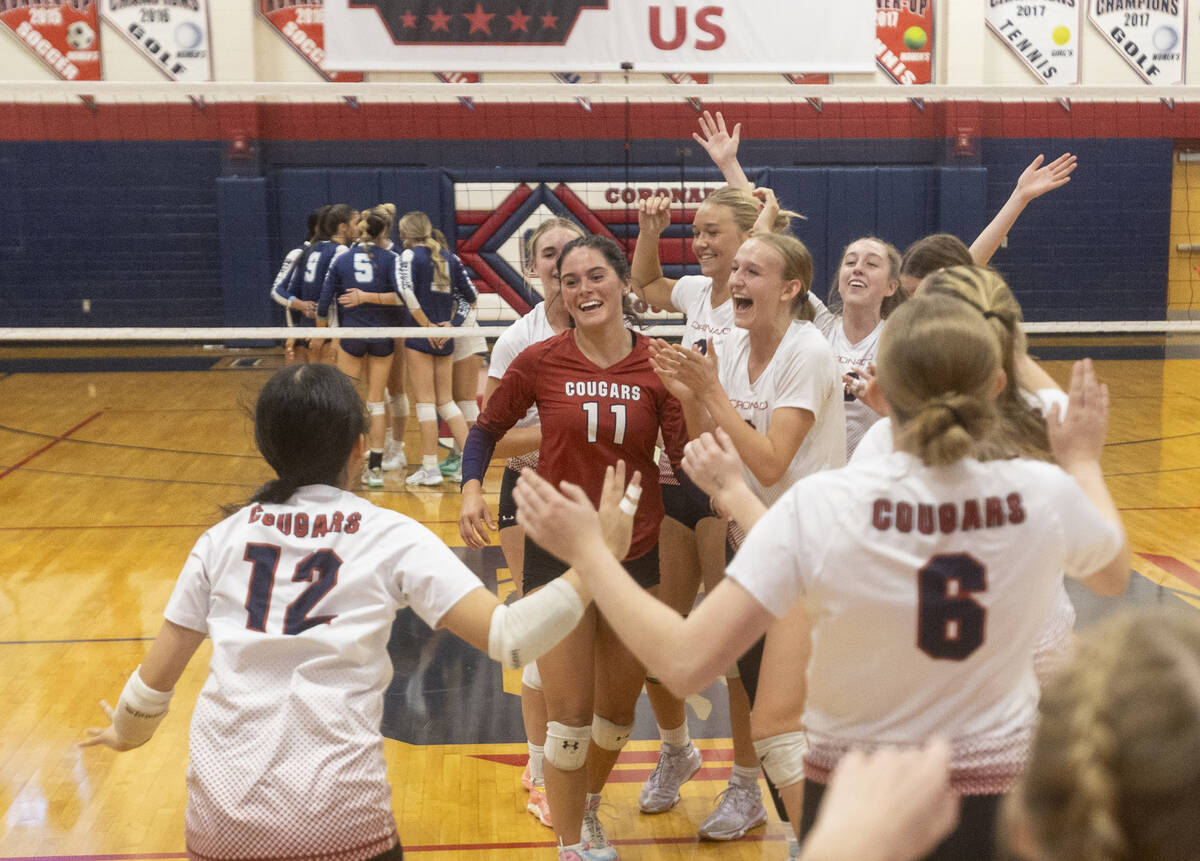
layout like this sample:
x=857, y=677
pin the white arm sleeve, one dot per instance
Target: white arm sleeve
x=527, y=629
x=404, y=282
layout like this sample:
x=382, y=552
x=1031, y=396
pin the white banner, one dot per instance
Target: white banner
x=599, y=35
x=172, y=34
x=1044, y=34
x=1149, y=34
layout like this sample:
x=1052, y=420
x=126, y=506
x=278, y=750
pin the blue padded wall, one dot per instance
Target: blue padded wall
x=241, y=213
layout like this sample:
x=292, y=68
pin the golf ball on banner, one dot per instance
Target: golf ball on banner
x=188, y=36
x=1061, y=35
x=1165, y=38
x=915, y=38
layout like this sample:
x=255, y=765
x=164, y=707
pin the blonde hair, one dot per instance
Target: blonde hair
x=416, y=227
x=1022, y=429
x=937, y=366
x=376, y=222
x=895, y=262
x=1115, y=767
x=797, y=266
x=745, y=208
x=544, y=228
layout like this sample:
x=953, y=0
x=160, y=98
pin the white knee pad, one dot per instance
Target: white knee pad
x=469, y=409
x=376, y=408
x=426, y=413
x=449, y=410
x=609, y=735
x=566, y=746
x=400, y=406
x=782, y=757
x=530, y=677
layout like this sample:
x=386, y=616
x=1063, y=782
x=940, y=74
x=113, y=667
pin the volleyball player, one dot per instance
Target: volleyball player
x=599, y=401
x=467, y=361
x=285, y=275
x=298, y=592
x=954, y=561
x=338, y=229
x=545, y=320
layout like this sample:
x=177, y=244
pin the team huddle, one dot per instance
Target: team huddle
x=879, y=495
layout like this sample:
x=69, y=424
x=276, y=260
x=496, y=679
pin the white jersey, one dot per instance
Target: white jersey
x=531, y=329
x=298, y=600
x=926, y=587
x=802, y=375
x=692, y=295
x=852, y=358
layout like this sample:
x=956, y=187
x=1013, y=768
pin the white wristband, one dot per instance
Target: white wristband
x=139, y=710
x=527, y=629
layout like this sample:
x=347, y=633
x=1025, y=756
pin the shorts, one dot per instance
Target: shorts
x=506, y=509
x=542, y=567
x=685, y=502
x=470, y=345
x=396, y=853
x=422, y=345
x=359, y=347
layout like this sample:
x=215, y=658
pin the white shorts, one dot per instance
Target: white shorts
x=472, y=344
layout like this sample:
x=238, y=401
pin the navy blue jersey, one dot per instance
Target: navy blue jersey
x=309, y=275
x=367, y=268
x=450, y=302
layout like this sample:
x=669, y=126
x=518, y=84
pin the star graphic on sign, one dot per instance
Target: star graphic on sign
x=409, y=20
x=441, y=21
x=480, y=20
x=549, y=22
x=518, y=21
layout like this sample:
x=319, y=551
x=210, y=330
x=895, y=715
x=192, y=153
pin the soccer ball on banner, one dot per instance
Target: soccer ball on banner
x=80, y=35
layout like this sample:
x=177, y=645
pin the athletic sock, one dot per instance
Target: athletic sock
x=537, y=763
x=679, y=737
x=429, y=461
x=744, y=775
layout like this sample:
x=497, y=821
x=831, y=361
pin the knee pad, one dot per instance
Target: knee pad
x=426, y=413
x=782, y=757
x=530, y=677
x=400, y=406
x=376, y=408
x=469, y=409
x=566, y=746
x=449, y=410
x=609, y=735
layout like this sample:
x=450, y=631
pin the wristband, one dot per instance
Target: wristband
x=139, y=710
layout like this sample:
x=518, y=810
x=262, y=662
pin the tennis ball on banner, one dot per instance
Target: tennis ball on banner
x=1165, y=38
x=915, y=38
x=1061, y=35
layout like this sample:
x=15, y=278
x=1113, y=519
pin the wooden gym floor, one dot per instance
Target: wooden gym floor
x=108, y=474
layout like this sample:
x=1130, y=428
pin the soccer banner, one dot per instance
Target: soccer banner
x=302, y=25
x=172, y=34
x=904, y=40
x=1148, y=34
x=1044, y=34
x=65, y=35
x=600, y=35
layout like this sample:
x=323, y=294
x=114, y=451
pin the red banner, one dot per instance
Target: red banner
x=904, y=40
x=302, y=25
x=65, y=36
x=808, y=78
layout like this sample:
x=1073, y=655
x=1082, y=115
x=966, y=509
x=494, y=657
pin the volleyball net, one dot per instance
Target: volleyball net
x=1112, y=252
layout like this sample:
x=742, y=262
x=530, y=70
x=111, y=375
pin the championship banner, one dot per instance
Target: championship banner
x=64, y=34
x=1149, y=34
x=808, y=78
x=301, y=23
x=1045, y=35
x=904, y=40
x=600, y=35
x=172, y=34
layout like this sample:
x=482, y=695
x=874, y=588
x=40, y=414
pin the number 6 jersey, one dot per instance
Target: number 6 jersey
x=286, y=757
x=926, y=589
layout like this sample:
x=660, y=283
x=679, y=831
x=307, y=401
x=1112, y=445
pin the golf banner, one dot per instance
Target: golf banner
x=1148, y=34
x=904, y=40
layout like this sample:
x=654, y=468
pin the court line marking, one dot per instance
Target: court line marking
x=59, y=642
x=1151, y=439
x=24, y=432
x=53, y=442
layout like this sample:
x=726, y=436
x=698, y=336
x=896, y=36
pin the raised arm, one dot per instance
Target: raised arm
x=648, y=281
x=722, y=148
x=1035, y=180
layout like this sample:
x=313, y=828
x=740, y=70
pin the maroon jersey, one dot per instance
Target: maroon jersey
x=592, y=417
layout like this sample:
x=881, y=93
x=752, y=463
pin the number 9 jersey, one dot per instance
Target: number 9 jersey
x=927, y=589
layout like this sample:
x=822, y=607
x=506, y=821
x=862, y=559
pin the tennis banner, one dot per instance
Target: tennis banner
x=301, y=23
x=1045, y=35
x=1148, y=34
x=904, y=40
x=65, y=35
x=172, y=34
x=599, y=35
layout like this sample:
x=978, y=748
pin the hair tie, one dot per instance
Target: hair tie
x=988, y=315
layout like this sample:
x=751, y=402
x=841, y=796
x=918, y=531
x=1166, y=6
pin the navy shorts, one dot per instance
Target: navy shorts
x=685, y=502
x=422, y=345
x=359, y=347
x=541, y=567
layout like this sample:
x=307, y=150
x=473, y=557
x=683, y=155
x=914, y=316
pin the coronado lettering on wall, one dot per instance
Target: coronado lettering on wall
x=171, y=34
x=1044, y=34
x=600, y=35
x=904, y=40
x=301, y=23
x=63, y=34
x=1149, y=34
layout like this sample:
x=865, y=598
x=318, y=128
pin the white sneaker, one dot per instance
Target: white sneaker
x=393, y=456
x=372, y=477
x=676, y=766
x=425, y=477
x=739, y=808
x=592, y=834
